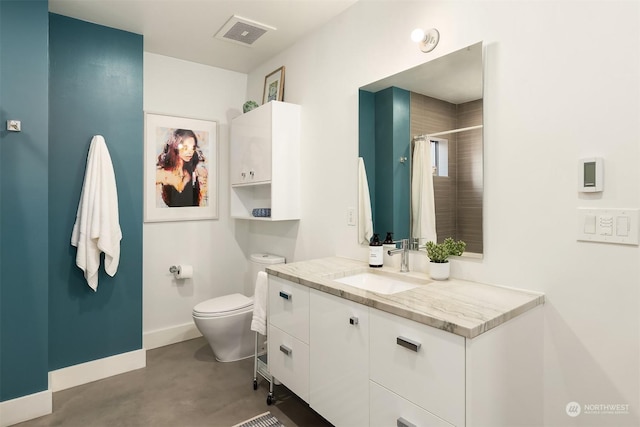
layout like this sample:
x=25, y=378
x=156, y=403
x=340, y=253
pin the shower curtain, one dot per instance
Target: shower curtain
x=423, y=210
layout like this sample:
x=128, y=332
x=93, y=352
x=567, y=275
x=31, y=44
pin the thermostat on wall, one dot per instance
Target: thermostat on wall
x=590, y=175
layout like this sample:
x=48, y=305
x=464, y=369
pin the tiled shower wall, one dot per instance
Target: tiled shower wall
x=458, y=197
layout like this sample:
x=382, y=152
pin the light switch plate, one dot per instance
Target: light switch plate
x=611, y=225
x=351, y=216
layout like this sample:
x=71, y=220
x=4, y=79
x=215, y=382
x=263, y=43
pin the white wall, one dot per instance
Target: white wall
x=561, y=83
x=215, y=248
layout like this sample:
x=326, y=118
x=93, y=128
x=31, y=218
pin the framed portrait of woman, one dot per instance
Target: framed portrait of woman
x=180, y=168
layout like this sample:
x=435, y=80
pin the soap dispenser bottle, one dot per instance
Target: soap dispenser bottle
x=375, y=252
x=387, y=246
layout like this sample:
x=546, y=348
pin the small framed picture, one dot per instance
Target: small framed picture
x=274, y=86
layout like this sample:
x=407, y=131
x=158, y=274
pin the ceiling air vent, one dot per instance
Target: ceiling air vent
x=242, y=30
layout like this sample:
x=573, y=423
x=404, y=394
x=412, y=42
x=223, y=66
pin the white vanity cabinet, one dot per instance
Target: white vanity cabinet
x=264, y=167
x=357, y=365
x=288, y=335
x=419, y=364
x=339, y=359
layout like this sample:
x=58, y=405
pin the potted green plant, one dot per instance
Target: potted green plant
x=439, y=254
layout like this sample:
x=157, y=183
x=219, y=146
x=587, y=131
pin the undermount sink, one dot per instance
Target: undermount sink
x=380, y=283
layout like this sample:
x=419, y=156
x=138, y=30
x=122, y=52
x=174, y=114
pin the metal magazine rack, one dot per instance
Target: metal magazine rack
x=261, y=367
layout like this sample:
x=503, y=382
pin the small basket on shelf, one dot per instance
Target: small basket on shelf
x=261, y=212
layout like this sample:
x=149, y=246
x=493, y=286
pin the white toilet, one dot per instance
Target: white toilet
x=225, y=321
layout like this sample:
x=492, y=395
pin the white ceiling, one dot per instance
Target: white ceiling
x=185, y=29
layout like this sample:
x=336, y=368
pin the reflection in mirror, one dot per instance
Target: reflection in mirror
x=434, y=109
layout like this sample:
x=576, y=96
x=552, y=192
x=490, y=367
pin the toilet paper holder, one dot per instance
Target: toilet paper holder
x=181, y=271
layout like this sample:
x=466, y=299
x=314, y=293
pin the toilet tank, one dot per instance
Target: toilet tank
x=258, y=262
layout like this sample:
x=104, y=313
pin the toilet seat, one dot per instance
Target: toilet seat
x=223, y=306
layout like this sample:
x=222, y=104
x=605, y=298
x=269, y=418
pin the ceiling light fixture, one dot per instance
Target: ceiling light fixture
x=427, y=40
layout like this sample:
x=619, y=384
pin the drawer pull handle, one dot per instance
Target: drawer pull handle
x=286, y=350
x=401, y=422
x=407, y=343
x=353, y=320
x=285, y=295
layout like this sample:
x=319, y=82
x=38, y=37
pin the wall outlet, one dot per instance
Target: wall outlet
x=351, y=216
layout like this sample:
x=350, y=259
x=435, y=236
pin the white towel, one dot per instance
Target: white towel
x=365, y=221
x=97, y=226
x=423, y=208
x=259, y=321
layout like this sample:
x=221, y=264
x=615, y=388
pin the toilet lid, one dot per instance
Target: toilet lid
x=267, y=258
x=223, y=304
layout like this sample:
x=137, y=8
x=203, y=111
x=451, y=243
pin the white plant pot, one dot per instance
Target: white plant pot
x=439, y=270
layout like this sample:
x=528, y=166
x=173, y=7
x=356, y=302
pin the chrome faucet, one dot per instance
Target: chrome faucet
x=404, y=251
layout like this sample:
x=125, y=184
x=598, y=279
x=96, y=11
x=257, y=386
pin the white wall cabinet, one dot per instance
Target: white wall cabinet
x=339, y=359
x=365, y=366
x=265, y=162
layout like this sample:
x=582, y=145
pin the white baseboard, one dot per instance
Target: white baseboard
x=175, y=334
x=94, y=370
x=25, y=408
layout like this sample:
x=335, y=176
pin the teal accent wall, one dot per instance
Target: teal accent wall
x=367, y=138
x=392, y=136
x=24, y=267
x=65, y=86
x=95, y=88
x=402, y=171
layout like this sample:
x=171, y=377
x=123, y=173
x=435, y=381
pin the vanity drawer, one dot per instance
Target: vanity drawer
x=289, y=307
x=424, y=365
x=289, y=361
x=388, y=409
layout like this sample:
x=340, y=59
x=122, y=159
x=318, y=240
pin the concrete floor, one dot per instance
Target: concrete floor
x=182, y=386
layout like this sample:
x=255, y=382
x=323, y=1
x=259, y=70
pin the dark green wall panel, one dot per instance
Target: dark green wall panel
x=401, y=171
x=96, y=88
x=23, y=198
x=392, y=127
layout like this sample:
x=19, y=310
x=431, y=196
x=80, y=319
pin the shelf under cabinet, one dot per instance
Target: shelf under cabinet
x=247, y=197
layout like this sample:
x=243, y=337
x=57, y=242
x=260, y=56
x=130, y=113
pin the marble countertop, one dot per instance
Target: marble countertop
x=458, y=306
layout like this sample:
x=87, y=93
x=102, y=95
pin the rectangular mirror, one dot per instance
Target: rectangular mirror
x=435, y=109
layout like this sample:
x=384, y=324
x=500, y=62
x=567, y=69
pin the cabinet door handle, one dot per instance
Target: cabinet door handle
x=401, y=422
x=407, y=343
x=353, y=320
x=244, y=175
x=286, y=295
x=251, y=173
x=286, y=350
